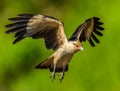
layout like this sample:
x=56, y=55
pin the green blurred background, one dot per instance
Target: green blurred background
x=94, y=69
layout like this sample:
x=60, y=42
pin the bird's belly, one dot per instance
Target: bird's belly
x=64, y=60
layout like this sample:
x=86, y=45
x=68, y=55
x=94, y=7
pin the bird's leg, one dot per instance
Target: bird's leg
x=53, y=73
x=62, y=74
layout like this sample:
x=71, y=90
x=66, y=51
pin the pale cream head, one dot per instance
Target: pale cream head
x=78, y=45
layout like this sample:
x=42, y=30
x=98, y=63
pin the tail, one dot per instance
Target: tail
x=48, y=63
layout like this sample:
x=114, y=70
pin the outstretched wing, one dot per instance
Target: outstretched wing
x=38, y=26
x=88, y=31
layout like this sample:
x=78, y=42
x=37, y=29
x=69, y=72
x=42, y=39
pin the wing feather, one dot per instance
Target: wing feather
x=88, y=31
x=94, y=38
x=38, y=26
x=20, y=28
x=97, y=32
x=91, y=42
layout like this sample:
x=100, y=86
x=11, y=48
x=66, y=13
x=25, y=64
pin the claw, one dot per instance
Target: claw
x=61, y=76
x=52, y=75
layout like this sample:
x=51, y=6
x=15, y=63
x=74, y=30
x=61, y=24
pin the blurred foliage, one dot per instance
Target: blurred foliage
x=94, y=69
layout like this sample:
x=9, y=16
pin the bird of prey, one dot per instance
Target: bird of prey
x=52, y=31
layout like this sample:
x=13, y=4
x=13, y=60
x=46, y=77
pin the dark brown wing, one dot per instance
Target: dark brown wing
x=38, y=26
x=88, y=30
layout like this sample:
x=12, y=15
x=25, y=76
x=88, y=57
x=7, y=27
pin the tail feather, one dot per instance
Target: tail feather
x=49, y=64
x=46, y=63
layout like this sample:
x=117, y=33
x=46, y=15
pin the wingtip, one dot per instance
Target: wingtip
x=96, y=18
x=11, y=19
x=6, y=26
x=26, y=15
x=18, y=39
x=8, y=32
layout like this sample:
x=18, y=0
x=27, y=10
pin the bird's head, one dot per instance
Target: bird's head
x=74, y=46
x=78, y=46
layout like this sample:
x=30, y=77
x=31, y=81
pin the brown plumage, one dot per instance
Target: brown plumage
x=52, y=31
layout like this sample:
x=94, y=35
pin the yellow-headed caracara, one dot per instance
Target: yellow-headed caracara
x=52, y=31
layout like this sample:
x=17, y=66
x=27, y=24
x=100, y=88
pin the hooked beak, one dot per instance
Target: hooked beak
x=81, y=48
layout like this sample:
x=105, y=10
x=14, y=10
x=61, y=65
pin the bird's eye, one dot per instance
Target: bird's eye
x=76, y=44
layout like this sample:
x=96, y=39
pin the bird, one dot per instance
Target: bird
x=52, y=31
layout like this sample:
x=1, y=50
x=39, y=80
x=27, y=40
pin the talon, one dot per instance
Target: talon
x=52, y=75
x=61, y=76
